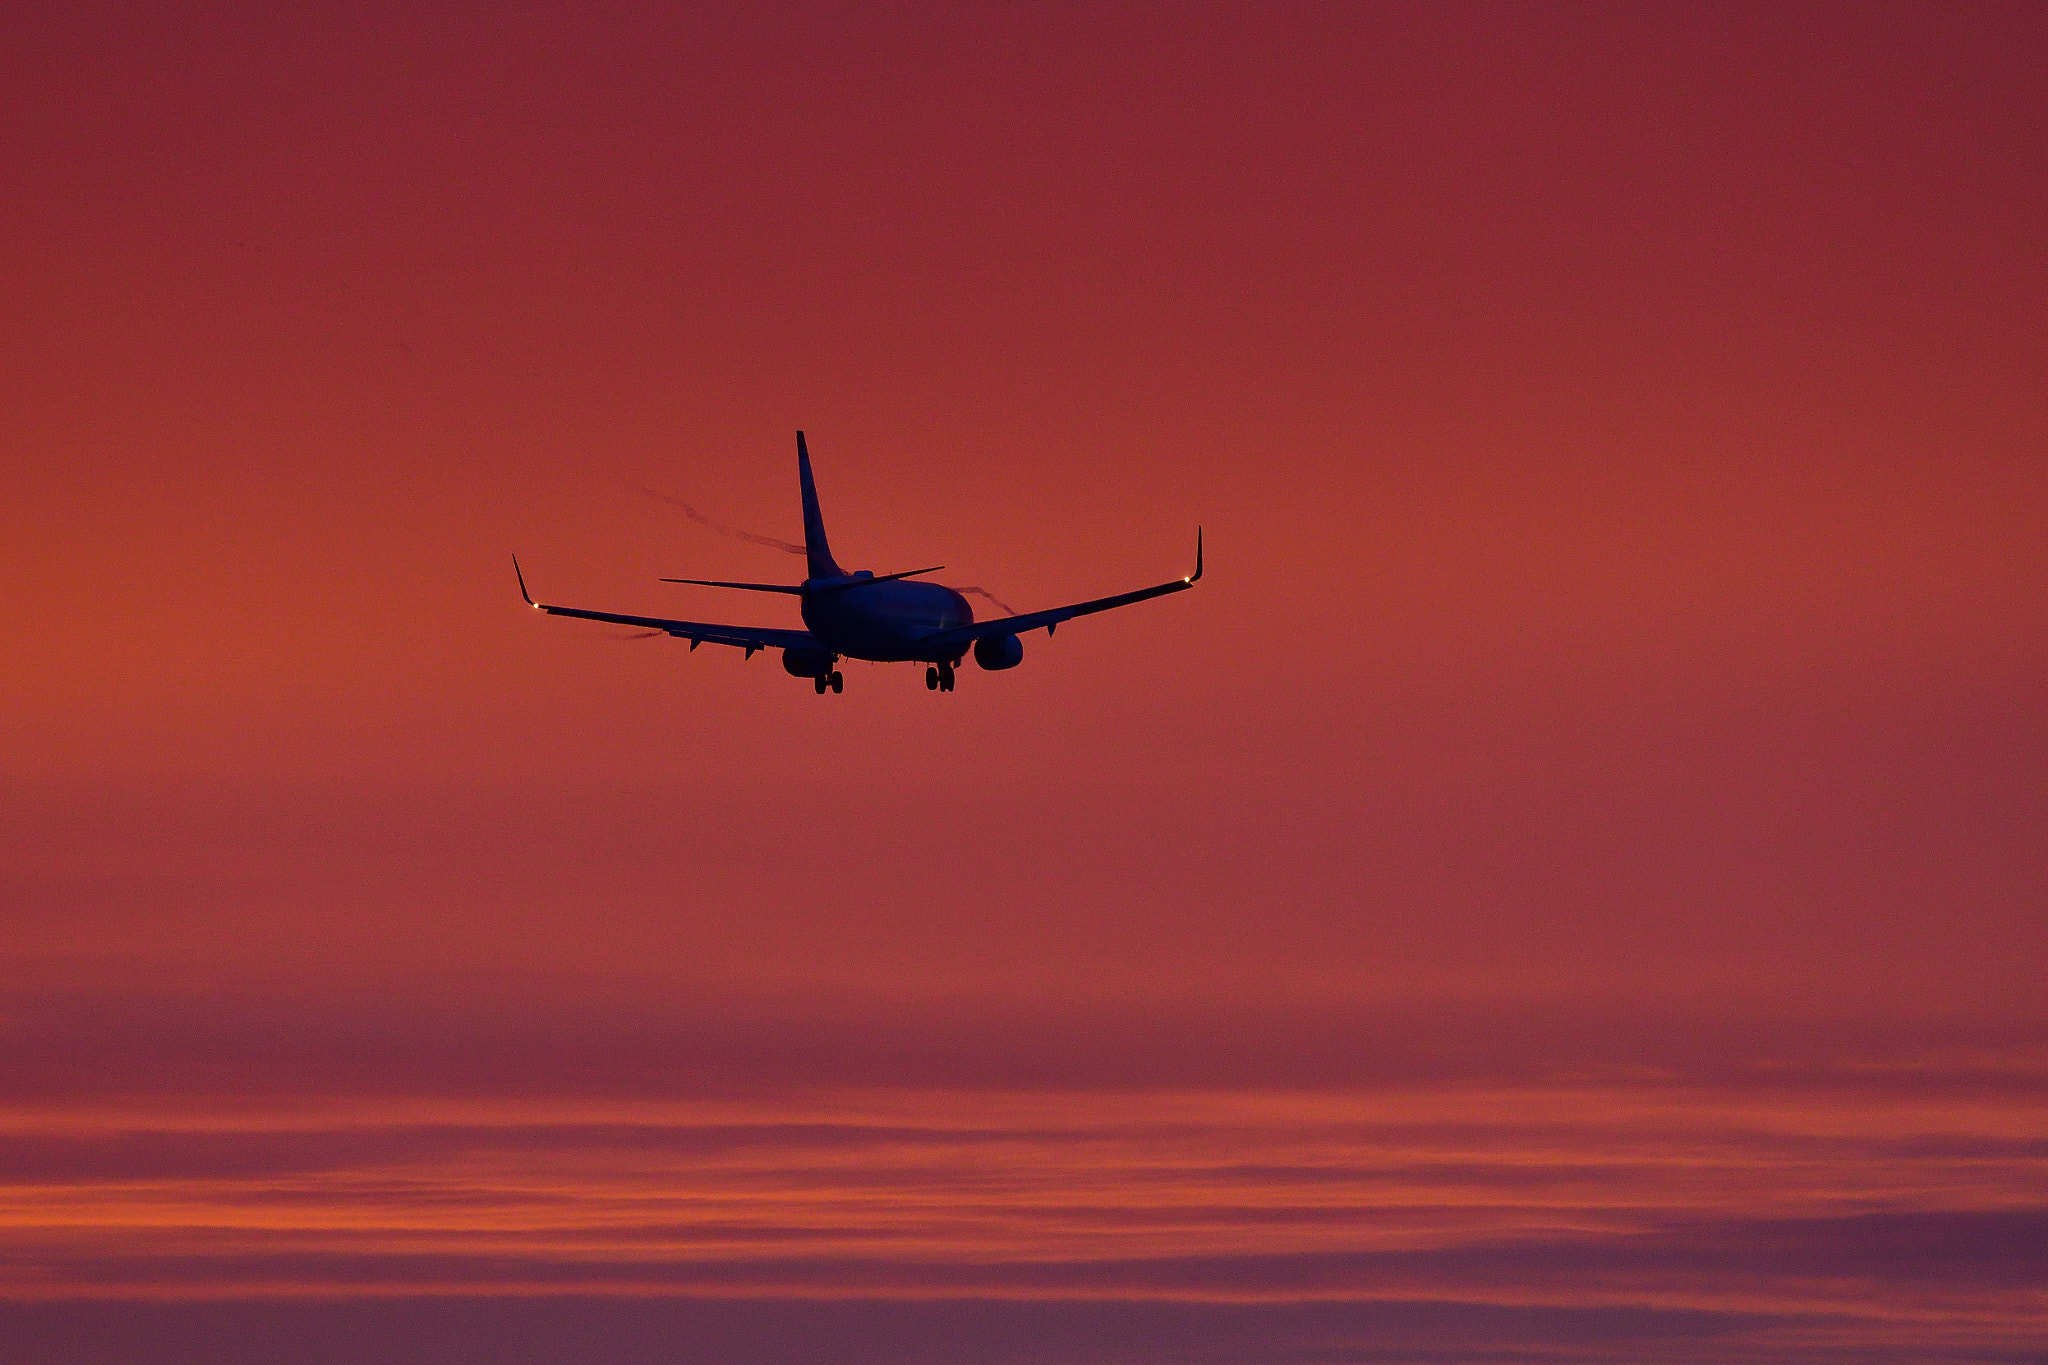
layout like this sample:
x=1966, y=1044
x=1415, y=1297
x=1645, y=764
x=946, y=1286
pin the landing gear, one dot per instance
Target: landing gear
x=931, y=679
x=821, y=684
x=838, y=681
x=945, y=677
x=834, y=680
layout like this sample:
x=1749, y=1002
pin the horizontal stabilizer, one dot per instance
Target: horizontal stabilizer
x=750, y=587
x=865, y=579
x=800, y=588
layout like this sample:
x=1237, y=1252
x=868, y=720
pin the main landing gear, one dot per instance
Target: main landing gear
x=939, y=678
x=834, y=680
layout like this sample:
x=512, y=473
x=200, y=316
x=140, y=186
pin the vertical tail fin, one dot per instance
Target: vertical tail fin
x=816, y=551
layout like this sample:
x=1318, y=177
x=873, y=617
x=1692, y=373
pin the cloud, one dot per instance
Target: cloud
x=441, y=1247
x=1110, y=1180
x=1633, y=1216
x=448, y=1331
x=517, y=1034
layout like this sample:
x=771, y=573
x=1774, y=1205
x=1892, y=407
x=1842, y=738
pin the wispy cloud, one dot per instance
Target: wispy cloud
x=1620, y=1219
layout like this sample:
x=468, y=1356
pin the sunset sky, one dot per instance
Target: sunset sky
x=1571, y=883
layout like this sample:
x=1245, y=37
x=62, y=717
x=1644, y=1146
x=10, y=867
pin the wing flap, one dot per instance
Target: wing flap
x=702, y=632
x=749, y=638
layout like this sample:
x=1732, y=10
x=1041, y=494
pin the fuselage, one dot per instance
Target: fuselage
x=884, y=621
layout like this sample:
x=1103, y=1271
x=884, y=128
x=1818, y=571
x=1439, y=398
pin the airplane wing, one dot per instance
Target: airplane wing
x=749, y=638
x=963, y=636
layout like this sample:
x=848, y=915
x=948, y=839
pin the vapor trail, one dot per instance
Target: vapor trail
x=1008, y=610
x=751, y=537
x=772, y=542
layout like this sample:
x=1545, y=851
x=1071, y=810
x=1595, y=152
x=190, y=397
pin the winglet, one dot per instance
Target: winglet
x=1190, y=579
x=522, y=583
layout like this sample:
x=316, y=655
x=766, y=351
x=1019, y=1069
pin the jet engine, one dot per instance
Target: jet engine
x=997, y=652
x=806, y=663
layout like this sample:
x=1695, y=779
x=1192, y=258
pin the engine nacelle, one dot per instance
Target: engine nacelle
x=806, y=663
x=997, y=652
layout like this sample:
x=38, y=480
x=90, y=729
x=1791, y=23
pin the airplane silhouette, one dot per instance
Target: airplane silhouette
x=885, y=618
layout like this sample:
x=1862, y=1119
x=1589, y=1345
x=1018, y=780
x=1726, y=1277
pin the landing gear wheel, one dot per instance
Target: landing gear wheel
x=931, y=679
x=821, y=684
x=945, y=677
x=838, y=681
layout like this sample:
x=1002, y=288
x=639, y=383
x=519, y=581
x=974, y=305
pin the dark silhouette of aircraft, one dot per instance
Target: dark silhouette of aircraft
x=863, y=615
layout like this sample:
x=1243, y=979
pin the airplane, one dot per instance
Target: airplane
x=881, y=617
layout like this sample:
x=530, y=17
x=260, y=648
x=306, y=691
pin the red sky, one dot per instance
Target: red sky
x=1570, y=881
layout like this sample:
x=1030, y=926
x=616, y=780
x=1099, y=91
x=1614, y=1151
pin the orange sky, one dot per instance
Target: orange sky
x=1574, y=864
